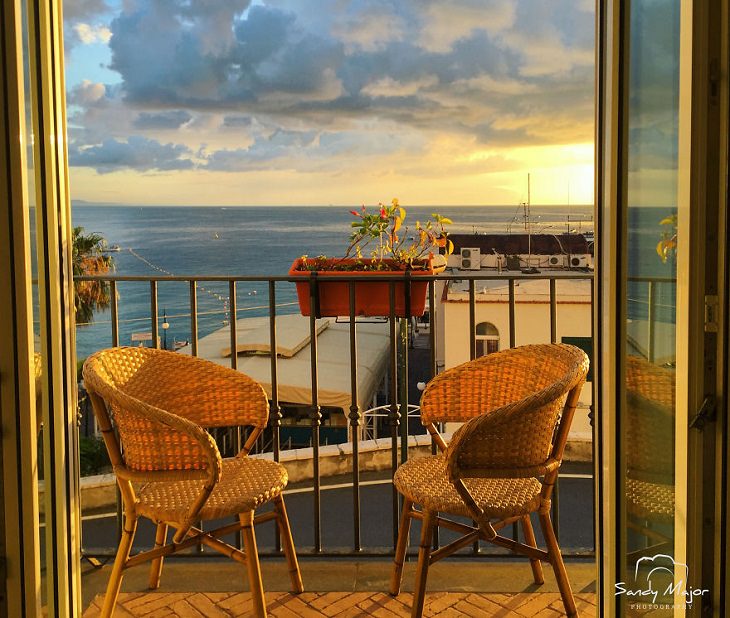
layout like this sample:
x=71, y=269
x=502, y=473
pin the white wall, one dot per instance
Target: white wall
x=532, y=325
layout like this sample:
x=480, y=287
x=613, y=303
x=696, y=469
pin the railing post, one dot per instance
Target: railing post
x=233, y=335
x=403, y=387
x=153, y=314
x=434, y=368
x=316, y=415
x=553, y=312
x=194, y=317
x=512, y=335
x=650, y=322
x=394, y=408
x=472, y=321
x=234, y=365
x=354, y=418
x=114, y=313
x=432, y=326
x=275, y=415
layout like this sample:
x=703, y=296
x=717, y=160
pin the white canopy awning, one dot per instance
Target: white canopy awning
x=294, y=370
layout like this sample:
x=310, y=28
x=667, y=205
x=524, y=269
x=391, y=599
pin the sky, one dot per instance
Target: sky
x=317, y=102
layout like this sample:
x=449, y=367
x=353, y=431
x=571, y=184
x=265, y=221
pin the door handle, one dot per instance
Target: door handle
x=704, y=414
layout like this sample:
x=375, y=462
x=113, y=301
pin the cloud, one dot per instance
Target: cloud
x=84, y=22
x=446, y=23
x=389, y=87
x=83, y=9
x=89, y=34
x=236, y=121
x=86, y=93
x=276, y=84
x=136, y=153
x=162, y=120
x=264, y=150
x=253, y=59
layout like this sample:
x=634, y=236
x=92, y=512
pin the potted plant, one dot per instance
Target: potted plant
x=379, y=245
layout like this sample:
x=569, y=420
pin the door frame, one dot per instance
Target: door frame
x=32, y=81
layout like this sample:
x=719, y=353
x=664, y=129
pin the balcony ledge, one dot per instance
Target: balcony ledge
x=98, y=492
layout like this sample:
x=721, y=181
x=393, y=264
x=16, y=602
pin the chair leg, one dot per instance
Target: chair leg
x=287, y=543
x=252, y=564
x=401, y=547
x=530, y=540
x=556, y=559
x=156, y=566
x=115, y=580
x=424, y=557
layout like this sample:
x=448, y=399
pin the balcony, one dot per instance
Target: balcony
x=342, y=505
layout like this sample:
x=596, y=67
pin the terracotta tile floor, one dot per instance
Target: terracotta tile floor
x=334, y=604
x=211, y=588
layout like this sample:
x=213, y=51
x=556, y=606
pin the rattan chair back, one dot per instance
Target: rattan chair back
x=194, y=388
x=649, y=433
x=523, y=419
x=159, y=402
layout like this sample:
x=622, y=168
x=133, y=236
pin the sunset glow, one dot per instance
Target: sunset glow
x=266, y=103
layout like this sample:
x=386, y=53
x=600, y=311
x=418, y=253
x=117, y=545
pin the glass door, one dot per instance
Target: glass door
x=661, y=197
x=646, y=421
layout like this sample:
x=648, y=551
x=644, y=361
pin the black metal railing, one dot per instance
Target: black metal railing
x=397, y=376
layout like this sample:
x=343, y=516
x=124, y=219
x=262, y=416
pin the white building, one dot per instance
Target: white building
x=516, y=255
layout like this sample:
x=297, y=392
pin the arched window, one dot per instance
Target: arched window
x=487, y=338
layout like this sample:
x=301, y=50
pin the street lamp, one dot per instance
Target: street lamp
x=165, y=326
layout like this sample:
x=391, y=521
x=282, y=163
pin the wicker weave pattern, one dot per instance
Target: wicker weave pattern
x=490, y=382
x=649, y=436
x=652, y=382
x=153, y=439
x=245, y=485
x=207, y=394
x=424, y=481
x=514, y=437
x=651, y=501
x=154, y=442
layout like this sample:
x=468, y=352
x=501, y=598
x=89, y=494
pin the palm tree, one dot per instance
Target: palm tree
x=89, y=257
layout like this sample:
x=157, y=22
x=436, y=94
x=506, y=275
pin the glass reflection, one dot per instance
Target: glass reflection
x=648, y=419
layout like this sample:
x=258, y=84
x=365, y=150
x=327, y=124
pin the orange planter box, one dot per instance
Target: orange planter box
x=372, y=298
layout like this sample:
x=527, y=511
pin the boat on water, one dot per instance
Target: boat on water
x=114, y=249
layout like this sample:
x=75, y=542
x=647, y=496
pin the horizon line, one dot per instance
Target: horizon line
x=85, y=203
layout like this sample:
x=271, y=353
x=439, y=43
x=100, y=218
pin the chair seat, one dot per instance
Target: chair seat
x=245, y=484
x=425, y=481
x=653, y=501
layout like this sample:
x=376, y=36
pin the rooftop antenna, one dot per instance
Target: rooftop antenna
x=528, y=224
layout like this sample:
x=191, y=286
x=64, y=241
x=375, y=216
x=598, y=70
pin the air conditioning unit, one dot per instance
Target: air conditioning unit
x=557, y=261
x=579, y=261
x=471, y=259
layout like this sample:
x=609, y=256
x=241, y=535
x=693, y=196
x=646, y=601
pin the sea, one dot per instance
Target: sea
x=262, y=240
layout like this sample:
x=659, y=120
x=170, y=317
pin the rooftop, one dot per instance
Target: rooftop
x=535, y=290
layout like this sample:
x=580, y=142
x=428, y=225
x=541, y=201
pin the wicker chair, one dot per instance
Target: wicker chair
x=501, y=465
x=168, y=467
